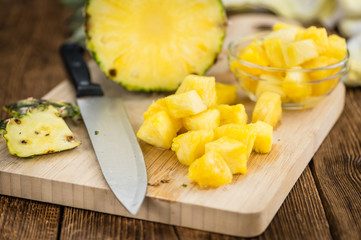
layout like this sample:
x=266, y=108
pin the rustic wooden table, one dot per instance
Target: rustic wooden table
x=325, y=203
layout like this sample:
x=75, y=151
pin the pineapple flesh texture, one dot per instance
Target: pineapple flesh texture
x=271, y=83
x=153, y=44
x=268, y=109
x=264, y=135
x=319, y=36
x=190, y=145
x=232, y=151
x=210, y=170
x=158, y=130
x=39, y=131
x=253, y=53
x=244, y=133
x=226, y=93
x=160, y=105
x=185, y=104
x=337, y=47
x=232, y=114
x=203, y=85
x=207, y=120
x=298, y=52
x=273, y=48
x=296, y=86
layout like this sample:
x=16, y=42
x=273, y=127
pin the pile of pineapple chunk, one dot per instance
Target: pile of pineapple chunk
x=291, y=47
x=208, y=134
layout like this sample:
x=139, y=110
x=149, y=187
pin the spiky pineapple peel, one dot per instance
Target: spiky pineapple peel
x=151, y=45
x=37, y=127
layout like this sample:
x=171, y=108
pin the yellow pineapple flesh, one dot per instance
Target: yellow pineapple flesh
x=207, y=120
x=337, y=47
x=153, y=44
x=270, y=83
x=203, y=85
x=273, y=48
x=210, y=170
x=268, y=109
x=232, y=114
x=232, y=151
x=185, y=104
x=158, y=130
x=226, y=93
x=319, y=36
x=264, y=137
x=244, y=133
x=190, y=145
x=298, y=52
x=296, y=86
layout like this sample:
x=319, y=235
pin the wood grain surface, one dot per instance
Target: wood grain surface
x=323, y=204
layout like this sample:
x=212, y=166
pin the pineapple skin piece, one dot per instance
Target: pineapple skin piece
x=226, y=93
x=207, y=120
x=203, y=85
x=210, y=170
x=264, y=137
x=190, y=145
x=151, y=45
x=158, y=130
x=232, y=151
x=232, y=114
x=268, y=109
x=185, y=104
x=38, y=132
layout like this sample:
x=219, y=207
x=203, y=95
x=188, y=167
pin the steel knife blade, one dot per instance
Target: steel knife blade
x=113, y=139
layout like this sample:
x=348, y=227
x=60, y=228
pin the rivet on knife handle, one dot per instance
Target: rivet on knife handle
x=72, y=55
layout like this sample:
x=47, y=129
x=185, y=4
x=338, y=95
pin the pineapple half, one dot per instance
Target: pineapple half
x=39, y=131
x=153, y=44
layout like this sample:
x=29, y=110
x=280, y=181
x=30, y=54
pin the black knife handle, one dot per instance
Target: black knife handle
x=72, y=55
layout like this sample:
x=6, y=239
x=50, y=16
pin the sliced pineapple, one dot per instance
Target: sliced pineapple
x=264, y=137
x=232, y=114
x=268, y=109
x=254, y=53
x=203, y=85
x=286, y=35
x=298, y=52
x=38, y=131
x=190, y=145
x=210, y=170
x=158, y=130
x=160, y=105
x=207, y=120
x=244, y=133
x=296, y=86
x=185, y=104
x=226, y=93
x=337, y=47
x=273, y=48
x=270, y=83
x=153, y=44
x=319, y=36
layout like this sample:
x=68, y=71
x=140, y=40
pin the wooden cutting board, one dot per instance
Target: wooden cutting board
x=243, y=208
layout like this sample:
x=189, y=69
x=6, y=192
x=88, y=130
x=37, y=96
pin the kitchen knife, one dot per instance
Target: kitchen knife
x=115, y=145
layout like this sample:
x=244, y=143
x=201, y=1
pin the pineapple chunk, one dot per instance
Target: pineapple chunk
x=190, y=145
x=268, y=109
x=204, y=86
x=158, y=130
x=264, y=132
x=244, y=133
x=37, y=132
x=254, y=53
x=226, y=93
x=286, y=34
x=232, y=114
x=296, y=86
x=232, y=151
x=160, y=105
x=207, y=120
x=296, y=53
x=337, y=47
x=273, y=48
x=319, y=36
x=271, y=83
x=210, y=170
x=185, y=104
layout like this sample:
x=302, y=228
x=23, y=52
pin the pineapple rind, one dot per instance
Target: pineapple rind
x=210, y=170
x=39, y=132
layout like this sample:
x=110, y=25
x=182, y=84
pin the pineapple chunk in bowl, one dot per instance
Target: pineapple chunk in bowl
x=302, y=65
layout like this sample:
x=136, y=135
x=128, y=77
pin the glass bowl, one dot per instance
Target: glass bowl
x=299, y=88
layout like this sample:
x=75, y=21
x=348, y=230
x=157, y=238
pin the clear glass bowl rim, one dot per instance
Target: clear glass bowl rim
x=233, y=54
